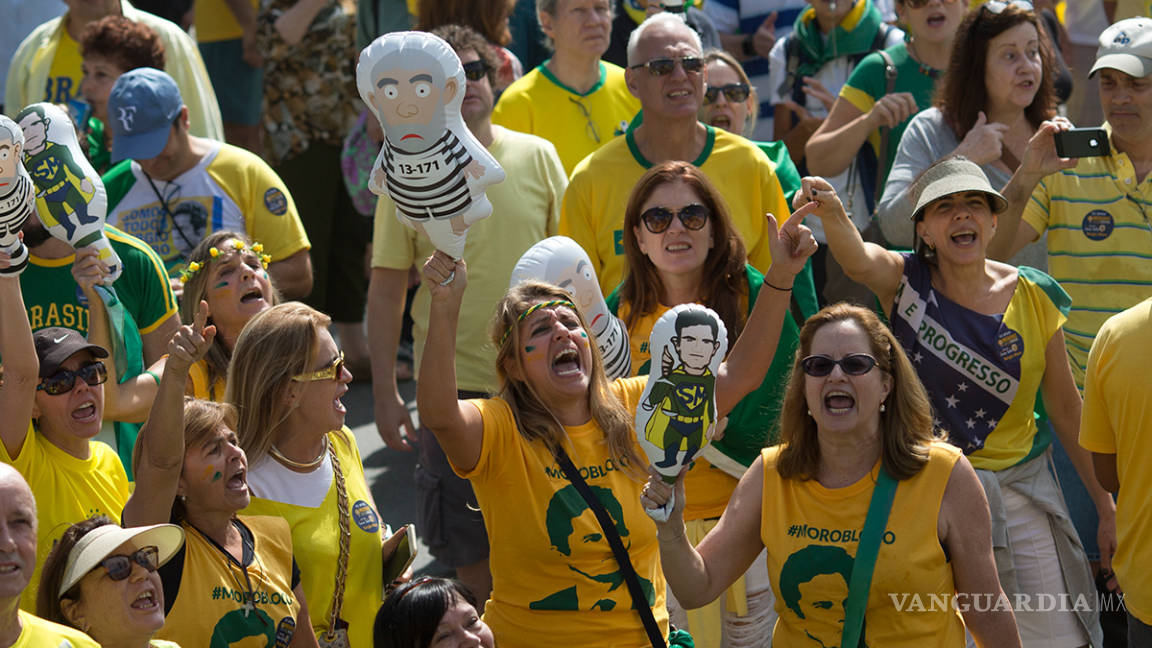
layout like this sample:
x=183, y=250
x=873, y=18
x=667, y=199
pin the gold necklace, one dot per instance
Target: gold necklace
x=308, y=465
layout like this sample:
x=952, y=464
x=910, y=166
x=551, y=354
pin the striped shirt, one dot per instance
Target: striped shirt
x=1099, y=243
x=431, y=183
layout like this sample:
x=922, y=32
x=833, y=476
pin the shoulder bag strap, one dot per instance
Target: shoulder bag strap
x=890, y=74
x=865, y=563
x=618, y=550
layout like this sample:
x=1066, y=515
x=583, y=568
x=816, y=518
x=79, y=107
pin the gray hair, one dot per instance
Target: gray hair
x=662, y=19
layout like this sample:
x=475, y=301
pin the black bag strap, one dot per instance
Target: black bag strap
x=639, y=601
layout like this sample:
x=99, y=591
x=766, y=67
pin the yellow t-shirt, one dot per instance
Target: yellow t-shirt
x=708, y=488
x=554, y=579
x=526, y=209
x=215, y=21
x=601, y=184
x=208, y=610
x=812, y=533
x=65, y=73
x=67, y=490
x=1099, y=243
x=37, y=633
x=577, y=123
x=315, y=538
x=1115, y=419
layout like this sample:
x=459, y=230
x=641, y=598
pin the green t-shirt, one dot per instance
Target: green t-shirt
x=868, y=83
x=52, y=298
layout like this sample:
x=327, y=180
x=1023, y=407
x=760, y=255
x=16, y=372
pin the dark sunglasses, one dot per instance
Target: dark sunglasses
x=63, y=381
x=733, y=92
x=658, y=219
x=119, y=566
x=475, y=70
x=917, y=4
x=855, y=364
x=664, y=65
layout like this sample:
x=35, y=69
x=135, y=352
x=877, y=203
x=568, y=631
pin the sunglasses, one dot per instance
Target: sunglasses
x=664, y=65
x=855, y=364
x=63, y=381
x=119, y=566
x=733, y=92
x=475, y=70
x=658, y=219
x=917, y=4
x=331, y=372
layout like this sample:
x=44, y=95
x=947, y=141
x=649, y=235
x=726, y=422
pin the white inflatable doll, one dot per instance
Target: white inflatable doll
x=70, y=197
x=560, y=261
x=677, y=413
x=16, y=196
x=431, y=165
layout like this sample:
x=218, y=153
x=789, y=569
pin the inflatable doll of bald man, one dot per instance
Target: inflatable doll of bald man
x=431, y=165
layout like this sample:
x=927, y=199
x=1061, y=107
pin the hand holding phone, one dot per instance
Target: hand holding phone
x=1082, y=142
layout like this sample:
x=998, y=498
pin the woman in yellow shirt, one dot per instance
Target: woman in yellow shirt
x=554, y=579
x=855, y=417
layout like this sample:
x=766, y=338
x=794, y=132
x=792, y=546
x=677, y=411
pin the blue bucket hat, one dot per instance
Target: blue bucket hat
x=142, y=106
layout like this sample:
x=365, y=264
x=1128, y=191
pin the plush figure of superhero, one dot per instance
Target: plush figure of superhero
x=431, y=165
x=70, y=197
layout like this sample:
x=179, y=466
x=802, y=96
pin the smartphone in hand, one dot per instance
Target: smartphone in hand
x=1082, y=142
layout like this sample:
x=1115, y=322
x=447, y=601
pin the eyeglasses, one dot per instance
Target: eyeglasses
x=590, y=128
x=475, y=70
x=658, y=219
x=665, y=65
x=63, y=381
x=917, y=4
x=854, y=364
x=119, y=566
x=331, y=372
x=998, y=6
x=733, y=92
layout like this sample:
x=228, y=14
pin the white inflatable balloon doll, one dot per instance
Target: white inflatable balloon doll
x=560, y=261
x=677, y=413
x=70, y=198
x=16, y=196
x=431, y=165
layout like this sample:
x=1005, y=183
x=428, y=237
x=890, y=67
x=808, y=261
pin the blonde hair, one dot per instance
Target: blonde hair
x=533, y=418
x=196, y=289
x=905, y=428
x=275, y=345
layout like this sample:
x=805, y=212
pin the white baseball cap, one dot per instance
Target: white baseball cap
x=1126, y=46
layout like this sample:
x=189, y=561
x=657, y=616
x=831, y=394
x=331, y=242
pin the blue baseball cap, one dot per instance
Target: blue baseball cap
x=141, y=107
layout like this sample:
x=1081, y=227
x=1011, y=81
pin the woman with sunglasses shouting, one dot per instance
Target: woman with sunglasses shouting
x=286, y=379
x=984, y=336
x=236, y=578
x=681, y=248
x=51, y=405
x=876, y=533
x=102, y=579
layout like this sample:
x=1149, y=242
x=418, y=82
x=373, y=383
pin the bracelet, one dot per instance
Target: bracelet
x=153, y=374
x=775, y=287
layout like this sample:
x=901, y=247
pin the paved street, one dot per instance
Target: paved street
x=389, y=472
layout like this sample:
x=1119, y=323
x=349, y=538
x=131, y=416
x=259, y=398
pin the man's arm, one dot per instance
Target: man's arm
x=387, y=291
x=293, y=276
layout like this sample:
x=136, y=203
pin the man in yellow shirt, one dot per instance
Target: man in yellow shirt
x=19, y=629
x=667, y=75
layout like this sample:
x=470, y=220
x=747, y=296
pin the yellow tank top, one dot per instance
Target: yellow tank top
x=209, y=609
x=315, y=537
x=812, y=532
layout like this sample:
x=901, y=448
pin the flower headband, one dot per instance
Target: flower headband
x=236, y=245
x=532, y=309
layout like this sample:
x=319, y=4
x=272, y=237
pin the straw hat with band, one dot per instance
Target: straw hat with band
x=101, y=542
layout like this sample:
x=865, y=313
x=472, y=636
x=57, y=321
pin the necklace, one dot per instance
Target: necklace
x=307, y=465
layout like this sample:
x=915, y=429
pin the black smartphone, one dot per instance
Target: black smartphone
x=402, y=556
x=1082, y=142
